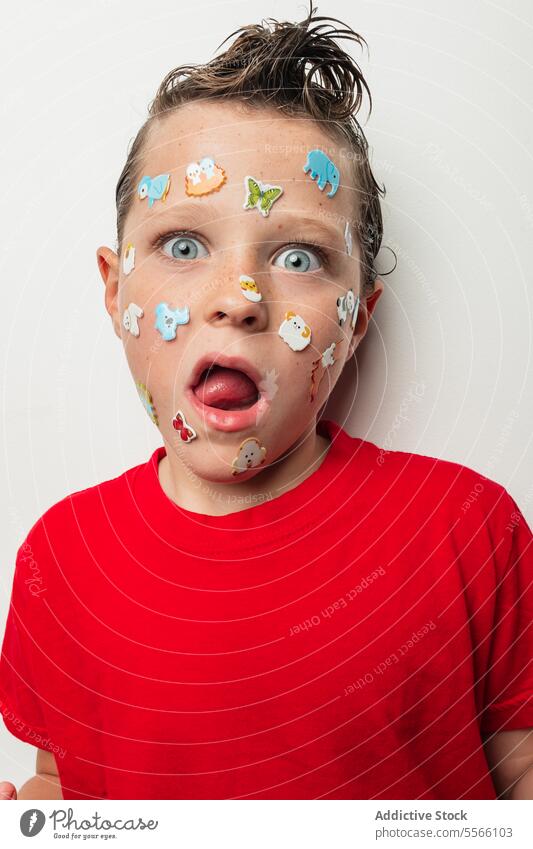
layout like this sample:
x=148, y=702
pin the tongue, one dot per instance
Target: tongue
x=226, y=388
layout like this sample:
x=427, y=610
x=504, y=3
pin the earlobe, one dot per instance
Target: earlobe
x=108, y=266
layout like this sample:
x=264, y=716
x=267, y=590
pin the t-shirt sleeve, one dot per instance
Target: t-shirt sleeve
x=20, y=704
x=509, y=676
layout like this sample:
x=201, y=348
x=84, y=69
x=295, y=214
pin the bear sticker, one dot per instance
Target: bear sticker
x=250, y=455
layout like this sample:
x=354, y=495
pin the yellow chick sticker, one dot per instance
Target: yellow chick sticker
x=249, y=288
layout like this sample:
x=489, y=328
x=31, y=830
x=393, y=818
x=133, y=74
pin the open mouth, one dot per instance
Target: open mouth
x=226, y=388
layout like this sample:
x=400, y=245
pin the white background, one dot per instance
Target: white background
x=451, y=138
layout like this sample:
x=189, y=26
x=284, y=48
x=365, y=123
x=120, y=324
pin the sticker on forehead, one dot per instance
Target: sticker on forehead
x=203, y=177
x=260, y=195
x=185, y=430
x=348, y=307
x=130, y=318
x=320, y=365
x=323, y=170
x=167, y=320
x=295, y=332
x=154, y=188
x=250, y=455
x=249, y=288
x=348, y=238
x=128, y=260
x=147, y=401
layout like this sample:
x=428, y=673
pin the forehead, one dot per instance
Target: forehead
x=259, y=142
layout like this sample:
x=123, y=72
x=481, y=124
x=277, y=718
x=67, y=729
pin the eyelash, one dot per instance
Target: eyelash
x=296, y=243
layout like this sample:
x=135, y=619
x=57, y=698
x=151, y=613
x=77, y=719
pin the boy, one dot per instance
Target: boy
x=268, y=607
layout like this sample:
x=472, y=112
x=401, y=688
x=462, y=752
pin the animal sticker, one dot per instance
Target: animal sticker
x=295, y=332
x=128, y=260
x=154, y=188
x=249, y=288
x=348, y=305
x=203, y=177
x=260, y=195
x=250, y=455
x=147, y=401
x=320, y=166
x=326, y=359
x=348, y=238
x=186, y=431
x=167, y=320
x=130, y=318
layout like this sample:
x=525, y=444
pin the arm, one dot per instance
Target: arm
x=45, y=784
x=510, y=758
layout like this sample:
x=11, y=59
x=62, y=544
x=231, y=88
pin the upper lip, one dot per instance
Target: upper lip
x=224, y=361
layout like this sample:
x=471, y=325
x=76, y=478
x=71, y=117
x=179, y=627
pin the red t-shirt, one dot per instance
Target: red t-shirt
x=352, y=638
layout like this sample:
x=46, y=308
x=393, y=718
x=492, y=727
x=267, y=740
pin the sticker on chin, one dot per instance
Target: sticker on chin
x=250, y=455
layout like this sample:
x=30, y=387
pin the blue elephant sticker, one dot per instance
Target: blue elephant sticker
x=167, y=320
x=322, y=167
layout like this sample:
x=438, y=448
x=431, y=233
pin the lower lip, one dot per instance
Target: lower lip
x=228, y=420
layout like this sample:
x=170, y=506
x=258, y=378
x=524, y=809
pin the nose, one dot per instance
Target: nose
x=228, y=306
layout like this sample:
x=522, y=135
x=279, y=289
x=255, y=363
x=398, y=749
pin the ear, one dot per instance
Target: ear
x=108, y=265
x=366, y=308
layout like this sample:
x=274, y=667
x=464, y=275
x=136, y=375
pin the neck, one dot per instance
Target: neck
x=196, y=494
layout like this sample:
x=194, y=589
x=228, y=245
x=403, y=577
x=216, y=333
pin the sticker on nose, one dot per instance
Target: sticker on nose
x=168, y=320
x=249, y=288
x=128, y=260
x=203, y=177
x=295, y=332
x=154, y=188
x=185, y=430
x=250, y=455
x=130, y=318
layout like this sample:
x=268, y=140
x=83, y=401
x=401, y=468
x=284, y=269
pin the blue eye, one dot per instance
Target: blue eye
x=184, y=247
x=298, y=259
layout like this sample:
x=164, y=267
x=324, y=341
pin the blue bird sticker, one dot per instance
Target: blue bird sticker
x=167, y=320
x=154, y=188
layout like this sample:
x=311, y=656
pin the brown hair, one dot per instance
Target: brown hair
x=299, y=69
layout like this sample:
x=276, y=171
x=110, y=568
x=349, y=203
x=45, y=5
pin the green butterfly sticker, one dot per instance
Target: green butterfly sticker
x=260, y=195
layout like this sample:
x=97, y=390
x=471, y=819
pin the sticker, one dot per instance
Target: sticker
x=184, y=429
x=295, y=332
x=322, y=167
x=250, y=455
x=260, y=195
x=128, y=260
x=167, y=320
x=154, y=188
x=249, y=288
x=130, y=318
x=348, y=238
x=203, y=177
x=147, y=401
x=348, y=305
x=325, y=360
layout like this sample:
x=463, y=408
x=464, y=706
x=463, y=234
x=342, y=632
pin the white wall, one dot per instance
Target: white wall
x=451, y=139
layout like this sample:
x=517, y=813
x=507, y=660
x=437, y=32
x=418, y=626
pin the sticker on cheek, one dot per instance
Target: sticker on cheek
x=130, y=318
x=250, y=455
x=326, y=359
x=348, y=307
x=348, y=238
x=128, y=260
x=323, y=170
x=203, y=177
x=295, y=332
x=147, y=401
x=260, y=195
x=154, y=188
x=168, y=320
x=185, y=430
x=249, y=288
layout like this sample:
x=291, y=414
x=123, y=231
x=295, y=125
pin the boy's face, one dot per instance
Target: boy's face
x=289, y=327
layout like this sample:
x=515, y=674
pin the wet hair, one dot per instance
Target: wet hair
x=301, y=71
